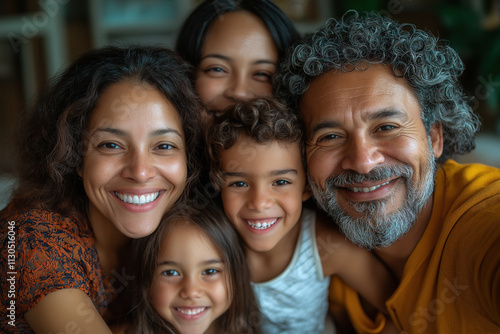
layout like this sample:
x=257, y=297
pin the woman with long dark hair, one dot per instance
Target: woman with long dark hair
x=102, y=157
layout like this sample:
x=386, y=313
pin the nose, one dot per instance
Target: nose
x=239, y=89
x=260, y=199
x=362, y=154
x=191, y=288
x=139, y=166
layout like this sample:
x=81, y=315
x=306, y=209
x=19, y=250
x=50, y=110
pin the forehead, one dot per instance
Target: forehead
x=239, y=30
x=130, y=101
x=358, y=93
x=183, y=235
x=246, y=153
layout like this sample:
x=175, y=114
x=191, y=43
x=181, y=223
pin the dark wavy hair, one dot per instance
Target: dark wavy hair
x=263, y=119
x=430, y=66
x=192, y=34
x=241, y=317
x=51, y=137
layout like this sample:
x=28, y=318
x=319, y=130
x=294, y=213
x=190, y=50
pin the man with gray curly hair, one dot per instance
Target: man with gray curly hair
x=384, y=113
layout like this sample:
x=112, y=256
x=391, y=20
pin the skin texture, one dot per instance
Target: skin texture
x=190, y=277
x=66, y=311
x=135, y=146
x=360, y=120
x=264, y=183
x=237, y=62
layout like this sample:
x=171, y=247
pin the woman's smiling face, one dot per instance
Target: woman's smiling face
x=134, y=163
x=238, y=60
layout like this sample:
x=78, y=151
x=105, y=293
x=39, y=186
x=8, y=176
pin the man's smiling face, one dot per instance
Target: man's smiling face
x=370, y=159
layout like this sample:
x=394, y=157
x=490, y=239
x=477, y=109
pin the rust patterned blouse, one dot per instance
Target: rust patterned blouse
x=42, y=252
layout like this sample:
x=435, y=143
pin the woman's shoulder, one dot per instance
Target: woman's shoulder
x=44, y=222
x=50, y=252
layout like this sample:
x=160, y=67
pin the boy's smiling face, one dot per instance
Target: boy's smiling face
x=263, y=190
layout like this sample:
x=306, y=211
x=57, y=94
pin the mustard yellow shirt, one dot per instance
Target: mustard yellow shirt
x=451, y=281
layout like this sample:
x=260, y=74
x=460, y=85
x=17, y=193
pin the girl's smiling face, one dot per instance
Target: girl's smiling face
x=134, y=163
x=189, y=288
x=238, y=60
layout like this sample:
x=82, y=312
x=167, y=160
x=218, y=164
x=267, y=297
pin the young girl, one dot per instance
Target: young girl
x=258, y=162
x=192, y=277
x=102, y=157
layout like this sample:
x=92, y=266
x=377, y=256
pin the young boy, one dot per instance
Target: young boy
x=258, y=163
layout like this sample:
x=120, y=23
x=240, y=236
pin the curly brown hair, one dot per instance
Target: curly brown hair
x=264, y=120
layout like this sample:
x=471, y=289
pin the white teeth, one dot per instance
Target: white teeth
x=138, y=200
x=367, y=190
x=261, y=226
x=190, y=311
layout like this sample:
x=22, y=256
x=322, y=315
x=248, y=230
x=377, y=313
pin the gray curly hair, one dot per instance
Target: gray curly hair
x=430, y=67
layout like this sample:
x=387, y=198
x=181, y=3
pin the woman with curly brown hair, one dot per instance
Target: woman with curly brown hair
x=102, y=157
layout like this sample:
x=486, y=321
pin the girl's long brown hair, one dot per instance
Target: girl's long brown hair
x=242, y=315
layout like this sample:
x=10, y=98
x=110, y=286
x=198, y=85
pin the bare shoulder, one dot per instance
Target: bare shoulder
x=329, y=237
x=335, y=250
x=66, y=311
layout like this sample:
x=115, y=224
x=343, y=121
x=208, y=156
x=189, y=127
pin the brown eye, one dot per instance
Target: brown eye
x=109, y=146
x=384, y=128
x=328, y=138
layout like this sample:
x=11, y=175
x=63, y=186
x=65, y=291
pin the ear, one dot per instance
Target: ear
x=307, y=193
x=436, y=135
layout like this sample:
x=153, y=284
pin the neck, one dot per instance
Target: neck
x=396, y=255
x=111, y=245
x=268, y=264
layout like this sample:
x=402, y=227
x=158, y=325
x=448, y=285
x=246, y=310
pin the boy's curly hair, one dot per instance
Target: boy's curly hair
x=263, y=120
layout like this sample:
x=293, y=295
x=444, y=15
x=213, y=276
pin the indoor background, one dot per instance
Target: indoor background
x=39, y=37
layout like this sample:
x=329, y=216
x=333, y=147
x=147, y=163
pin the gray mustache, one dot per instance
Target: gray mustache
x=351, y=177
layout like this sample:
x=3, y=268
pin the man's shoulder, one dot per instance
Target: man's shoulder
x=460, y=188
x=458, y=175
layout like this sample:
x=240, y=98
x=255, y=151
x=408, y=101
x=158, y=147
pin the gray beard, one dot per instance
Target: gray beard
x=374, y=229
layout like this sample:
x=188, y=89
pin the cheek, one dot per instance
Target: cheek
x=175, y=171
x=230, y=204
x=321, y=164
x=97, y=171
x=161, y=296
x=221, y=295
x=264, y=89
x=410, y=150
x=208, y=89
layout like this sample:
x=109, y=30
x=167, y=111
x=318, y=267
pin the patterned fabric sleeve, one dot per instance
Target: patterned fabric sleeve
x=52, y=252
x=50, y=258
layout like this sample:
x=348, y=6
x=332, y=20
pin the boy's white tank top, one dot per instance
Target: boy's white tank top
x=296, y=301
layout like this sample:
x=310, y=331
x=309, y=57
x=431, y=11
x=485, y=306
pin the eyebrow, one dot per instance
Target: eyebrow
x=204, y=263
x=122, y=133
x=226, y=58
x=380, y=114
x=272, y=173
x=386, y=113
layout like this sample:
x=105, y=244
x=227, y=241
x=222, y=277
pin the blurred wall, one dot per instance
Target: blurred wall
x=28, y=57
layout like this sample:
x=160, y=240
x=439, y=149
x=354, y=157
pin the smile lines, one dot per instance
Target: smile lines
x=366, y=190
x=138, y=200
